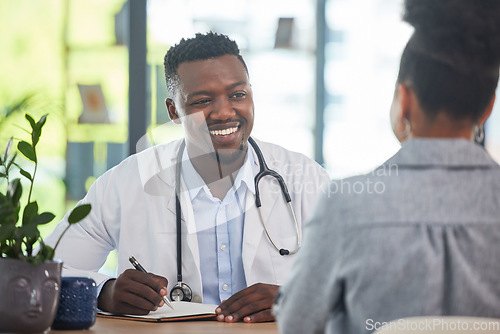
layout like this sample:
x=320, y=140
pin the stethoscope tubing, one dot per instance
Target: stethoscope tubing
x=178, y=211
x=264, y=171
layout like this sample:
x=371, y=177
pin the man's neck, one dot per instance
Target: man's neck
x=218, y=176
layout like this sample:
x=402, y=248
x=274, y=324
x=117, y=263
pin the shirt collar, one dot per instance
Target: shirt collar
x=429, y=152
x=195, y=184
x=246, y=172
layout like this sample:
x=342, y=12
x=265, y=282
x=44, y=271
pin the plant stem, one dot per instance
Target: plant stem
x=32, y=181
x=29, y=250
x=57, y=243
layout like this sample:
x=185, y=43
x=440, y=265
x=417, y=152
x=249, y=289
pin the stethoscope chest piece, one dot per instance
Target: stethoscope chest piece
x=181, y=292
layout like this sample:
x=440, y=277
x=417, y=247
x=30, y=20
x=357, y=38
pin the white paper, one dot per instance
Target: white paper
x=181, y=309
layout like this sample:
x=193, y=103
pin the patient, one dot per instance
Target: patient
x=426, y=240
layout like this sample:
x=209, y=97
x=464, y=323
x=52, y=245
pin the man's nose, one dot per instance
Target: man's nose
x=223, y=110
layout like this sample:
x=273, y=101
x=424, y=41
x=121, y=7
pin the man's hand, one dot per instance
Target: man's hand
x=133, y=292
x=252, y=304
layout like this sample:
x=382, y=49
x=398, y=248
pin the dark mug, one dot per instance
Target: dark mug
x=77, y=303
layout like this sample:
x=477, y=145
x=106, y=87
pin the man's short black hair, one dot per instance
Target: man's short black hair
x=200, y=47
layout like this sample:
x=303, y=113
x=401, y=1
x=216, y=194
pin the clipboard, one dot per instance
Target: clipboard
x=183, y=311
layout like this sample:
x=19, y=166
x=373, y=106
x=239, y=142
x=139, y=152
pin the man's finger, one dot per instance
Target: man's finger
x=248, y=310
x=239, y=299
x=233, y=305
x=263, y=316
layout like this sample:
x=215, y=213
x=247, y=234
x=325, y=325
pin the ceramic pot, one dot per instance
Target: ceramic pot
x=29, y=295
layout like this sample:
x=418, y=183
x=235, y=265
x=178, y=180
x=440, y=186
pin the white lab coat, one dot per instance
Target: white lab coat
x=133, y=211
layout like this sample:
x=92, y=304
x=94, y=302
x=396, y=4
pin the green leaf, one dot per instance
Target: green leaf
x=14, y=191
x=7, y=149
x=6, y=232
x=25, y=174
x=45, y=253
x=9, y=252
x=79, y=213
x=27, y=150
x=31, y=120
x=30, y=231
x=29, y=213
x=35, y=136
x=9, y=213
x=37, y=130
x=4, y=199
x=44, y=218
x=41, y=122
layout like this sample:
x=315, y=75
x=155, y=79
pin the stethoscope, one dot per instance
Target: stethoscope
x=181, y=291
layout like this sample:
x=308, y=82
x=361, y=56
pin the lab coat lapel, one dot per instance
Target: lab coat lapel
x=253, y=229
x=190, y=250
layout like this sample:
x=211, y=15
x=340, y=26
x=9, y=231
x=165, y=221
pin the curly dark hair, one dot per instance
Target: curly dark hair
x=200, y=47
x=452, y=59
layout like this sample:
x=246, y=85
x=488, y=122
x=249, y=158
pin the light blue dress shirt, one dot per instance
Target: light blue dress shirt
x=219, y=225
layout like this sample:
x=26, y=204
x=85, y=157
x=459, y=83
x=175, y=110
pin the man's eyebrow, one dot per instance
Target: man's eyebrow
x=200, y=92
x=207, y=92
x=236, y=84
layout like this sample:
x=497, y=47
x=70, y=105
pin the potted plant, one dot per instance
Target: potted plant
x=30, y=277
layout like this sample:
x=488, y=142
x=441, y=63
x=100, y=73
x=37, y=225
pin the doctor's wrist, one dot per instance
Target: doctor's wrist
x=105, y=295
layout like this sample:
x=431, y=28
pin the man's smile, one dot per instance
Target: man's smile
x=224, y=132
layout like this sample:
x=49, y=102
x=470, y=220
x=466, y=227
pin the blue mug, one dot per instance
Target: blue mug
x=77, y=303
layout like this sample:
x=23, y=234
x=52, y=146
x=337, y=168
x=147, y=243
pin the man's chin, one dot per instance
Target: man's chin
x=227, y=156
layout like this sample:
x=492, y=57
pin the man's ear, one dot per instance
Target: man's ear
x=172, y=111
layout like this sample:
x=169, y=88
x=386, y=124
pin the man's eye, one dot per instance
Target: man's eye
x=238, y=95
x=204, y=101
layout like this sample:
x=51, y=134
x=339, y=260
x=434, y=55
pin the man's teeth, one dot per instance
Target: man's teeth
x=224, y=132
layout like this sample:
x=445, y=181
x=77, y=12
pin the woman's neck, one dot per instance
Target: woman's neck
x=441, y=126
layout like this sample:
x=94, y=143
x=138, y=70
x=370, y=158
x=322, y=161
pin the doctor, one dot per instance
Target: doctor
x=232, y=253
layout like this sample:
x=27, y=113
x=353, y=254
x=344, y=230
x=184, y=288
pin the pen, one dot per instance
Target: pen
x=138, y=266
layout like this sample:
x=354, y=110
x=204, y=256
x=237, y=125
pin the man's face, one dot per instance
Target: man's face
x=214, y=103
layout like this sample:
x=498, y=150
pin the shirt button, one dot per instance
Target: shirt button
x=223, y=247
x=225, y=287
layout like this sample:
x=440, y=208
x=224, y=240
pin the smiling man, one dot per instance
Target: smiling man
x=216, y=93
x=237, y=239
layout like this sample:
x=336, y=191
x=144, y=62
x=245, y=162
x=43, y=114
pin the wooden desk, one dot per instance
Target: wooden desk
x=114, y=326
